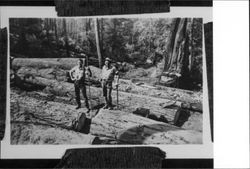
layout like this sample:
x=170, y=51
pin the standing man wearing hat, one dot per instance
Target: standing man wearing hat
x=107, y=77
x=78, y=75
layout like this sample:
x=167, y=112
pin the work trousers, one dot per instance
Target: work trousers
x=106, y=90
x=78, y=89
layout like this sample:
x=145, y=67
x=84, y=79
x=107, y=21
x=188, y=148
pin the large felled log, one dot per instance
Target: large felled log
x=161, y=92
x=131, y=129
x=65, y=89
x=122, y=157
x=189, y=106
x=29, y=109
x=55, y=73
x=31, y=133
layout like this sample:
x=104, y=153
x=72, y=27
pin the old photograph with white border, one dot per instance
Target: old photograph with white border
x=142, y=81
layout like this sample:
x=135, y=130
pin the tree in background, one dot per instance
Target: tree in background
x=98, y=42
x=182, y=63
x=66, y=37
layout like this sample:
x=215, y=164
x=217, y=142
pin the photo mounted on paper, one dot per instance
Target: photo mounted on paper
x=106, y=81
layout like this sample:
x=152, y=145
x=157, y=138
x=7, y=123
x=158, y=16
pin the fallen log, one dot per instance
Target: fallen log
x=54, y=74
x=131, y=129
x=190, y=106
x=33, y=133
x=55, y=114
x=158, y=91
x=51, y=68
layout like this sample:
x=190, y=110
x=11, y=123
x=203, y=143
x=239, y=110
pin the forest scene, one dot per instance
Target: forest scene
x=158, y=99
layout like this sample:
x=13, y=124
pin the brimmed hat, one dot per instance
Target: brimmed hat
x=83, y=55
x=108, y=59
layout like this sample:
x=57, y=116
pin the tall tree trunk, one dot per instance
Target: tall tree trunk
x=190, y=45
x=66, y=37
x=101, y=28
x=87, y=29
x=179, y=57
x=165, y=62
x=56, y=33
x=171, y=41
x=179, y=43
x=98, y=42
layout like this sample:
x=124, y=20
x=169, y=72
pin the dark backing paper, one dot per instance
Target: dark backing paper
x=109, y=7
x=52, y=3
x=3, y=70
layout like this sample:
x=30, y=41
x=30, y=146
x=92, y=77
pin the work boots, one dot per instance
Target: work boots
x=78, y=107
x=86, y=105
x=108, y=104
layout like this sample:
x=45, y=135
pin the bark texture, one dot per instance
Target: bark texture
x=183, y=50
x=97, y=36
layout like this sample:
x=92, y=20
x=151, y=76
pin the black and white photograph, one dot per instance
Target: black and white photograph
x=106, y=81
x=124, y=84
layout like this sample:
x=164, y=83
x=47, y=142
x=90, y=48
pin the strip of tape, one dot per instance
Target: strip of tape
x=110, y=7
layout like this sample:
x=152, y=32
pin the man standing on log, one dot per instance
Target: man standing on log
x=78, y=75
x=107, y=77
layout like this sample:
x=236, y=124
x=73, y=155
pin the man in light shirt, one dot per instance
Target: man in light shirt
x=78, y=74
x=107, y=77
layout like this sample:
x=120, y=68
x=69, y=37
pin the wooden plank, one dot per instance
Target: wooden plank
x=131, y=129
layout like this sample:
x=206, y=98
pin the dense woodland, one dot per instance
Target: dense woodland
x=169, y=45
